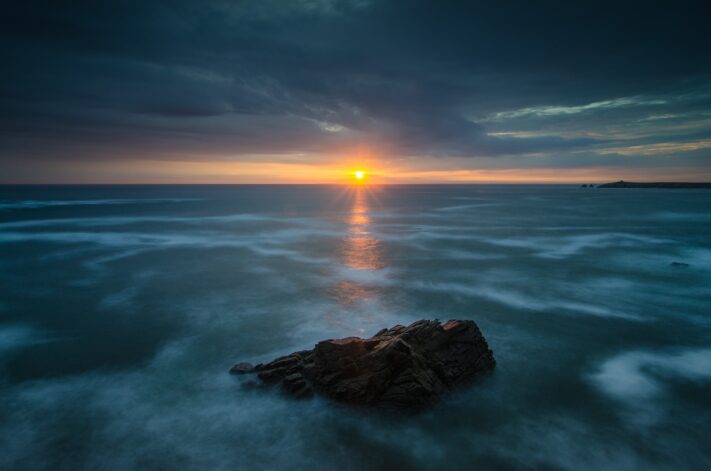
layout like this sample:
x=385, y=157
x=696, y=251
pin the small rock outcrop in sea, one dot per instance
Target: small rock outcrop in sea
x=677, y=185
x=403, y=368
x=678, y=264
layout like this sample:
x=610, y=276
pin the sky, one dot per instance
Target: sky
x=307, y=91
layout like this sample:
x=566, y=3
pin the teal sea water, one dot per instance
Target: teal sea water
x=123, y=307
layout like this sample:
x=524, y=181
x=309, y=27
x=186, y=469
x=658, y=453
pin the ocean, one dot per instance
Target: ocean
x=122, y=309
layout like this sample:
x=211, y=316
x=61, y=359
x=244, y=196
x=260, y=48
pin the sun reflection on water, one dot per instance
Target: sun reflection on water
x=360, y=253
x=360, y=249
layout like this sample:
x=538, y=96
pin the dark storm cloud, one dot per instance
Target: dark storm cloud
x=106, y=79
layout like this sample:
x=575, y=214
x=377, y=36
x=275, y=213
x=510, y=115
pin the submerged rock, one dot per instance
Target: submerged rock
x=678, y=264
x=401, y=367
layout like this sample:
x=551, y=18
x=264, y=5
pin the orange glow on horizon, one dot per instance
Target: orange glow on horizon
x=344, y=170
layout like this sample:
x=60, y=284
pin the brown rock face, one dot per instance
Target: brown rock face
x=401, y=367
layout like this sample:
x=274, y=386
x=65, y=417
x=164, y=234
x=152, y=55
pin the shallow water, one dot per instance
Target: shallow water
x=123, y=307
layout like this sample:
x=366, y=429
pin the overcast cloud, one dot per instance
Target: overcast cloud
x=454, y=84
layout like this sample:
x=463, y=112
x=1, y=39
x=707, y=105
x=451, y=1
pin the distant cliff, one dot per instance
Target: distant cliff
x=624, y=184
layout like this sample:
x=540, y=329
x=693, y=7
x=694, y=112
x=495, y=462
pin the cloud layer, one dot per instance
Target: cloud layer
x=462, y=86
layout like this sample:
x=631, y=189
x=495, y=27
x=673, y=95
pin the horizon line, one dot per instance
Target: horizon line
x=340, y=183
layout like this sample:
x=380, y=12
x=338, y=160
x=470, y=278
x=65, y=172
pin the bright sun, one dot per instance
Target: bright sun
x=359, y=174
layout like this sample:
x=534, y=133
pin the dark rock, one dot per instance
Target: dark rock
x=678, y=264
x=241, y=368
x=674, y=185
x=400, y=368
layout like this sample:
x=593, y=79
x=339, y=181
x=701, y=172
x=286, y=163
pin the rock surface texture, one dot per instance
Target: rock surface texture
x=404, y=368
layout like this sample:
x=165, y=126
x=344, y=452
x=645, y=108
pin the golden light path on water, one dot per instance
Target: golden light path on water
x=360, y=251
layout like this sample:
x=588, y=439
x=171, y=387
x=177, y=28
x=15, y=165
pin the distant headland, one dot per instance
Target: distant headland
x=624, y=184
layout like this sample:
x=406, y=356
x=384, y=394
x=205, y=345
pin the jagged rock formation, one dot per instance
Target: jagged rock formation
x=401, y=367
